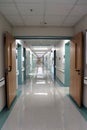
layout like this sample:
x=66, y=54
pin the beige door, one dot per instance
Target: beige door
x=10, y=68
x=76, y=68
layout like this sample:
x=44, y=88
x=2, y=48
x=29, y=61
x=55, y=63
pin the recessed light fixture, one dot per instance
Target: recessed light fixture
x=40, y=48
x=42, y=94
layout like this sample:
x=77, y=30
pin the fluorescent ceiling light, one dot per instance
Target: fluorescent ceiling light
x=40, y=76
x=40, y=52
x=41, y=82
x=40, y=56
x=42, y=94
x=40, y=48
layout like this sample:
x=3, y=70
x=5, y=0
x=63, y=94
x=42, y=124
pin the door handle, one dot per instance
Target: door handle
x=9, y=69
x=76, y=56
x=79, y=71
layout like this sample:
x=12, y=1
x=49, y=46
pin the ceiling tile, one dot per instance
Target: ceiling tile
x=67, y=24
x=79, y=10
x=37, y=9
x=58, y=9
x=63, y=1
x=54, y=19
x=8, y=9
x=14, y=20
x=28, y=1
x=40, y=43
x=32, y=20
x=72, y=20
x=6, y=1
x=82, y=2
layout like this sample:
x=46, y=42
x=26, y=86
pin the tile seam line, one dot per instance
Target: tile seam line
x=18, y=11
x=70, y=12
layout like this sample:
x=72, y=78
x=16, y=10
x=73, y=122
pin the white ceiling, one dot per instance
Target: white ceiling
x=52, y=12
x=39, y=42
x=40, y=47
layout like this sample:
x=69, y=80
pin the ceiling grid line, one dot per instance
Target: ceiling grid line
x=70, y=12
x=6, y=19
x=18, y=11
x=43, y=13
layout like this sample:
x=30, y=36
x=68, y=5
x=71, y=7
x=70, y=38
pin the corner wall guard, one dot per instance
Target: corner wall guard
x=2, y=82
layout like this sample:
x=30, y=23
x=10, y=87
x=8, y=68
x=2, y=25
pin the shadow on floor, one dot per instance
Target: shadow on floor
x=5, y=112
x=82, y=110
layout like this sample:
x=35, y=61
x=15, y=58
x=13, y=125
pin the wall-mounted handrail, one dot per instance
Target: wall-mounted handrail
x=2, y=81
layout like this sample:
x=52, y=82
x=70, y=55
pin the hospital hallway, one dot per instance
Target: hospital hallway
x=44, y=105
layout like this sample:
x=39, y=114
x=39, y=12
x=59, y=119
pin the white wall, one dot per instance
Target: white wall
x=43, y=31
x=60, y=52
x=4, y=26
x=60, y=60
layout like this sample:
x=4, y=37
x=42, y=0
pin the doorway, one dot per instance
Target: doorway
x=35, y=48
x=58, y=58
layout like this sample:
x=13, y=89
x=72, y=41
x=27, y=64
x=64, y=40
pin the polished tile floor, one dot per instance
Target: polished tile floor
x=43, y=105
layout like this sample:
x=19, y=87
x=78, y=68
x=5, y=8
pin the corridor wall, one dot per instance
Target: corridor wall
x=63, y=62
x=34, y=61
x=47, y=60
x=27, y=62
x=31, y=61
x=60, y=61
x=43, y=31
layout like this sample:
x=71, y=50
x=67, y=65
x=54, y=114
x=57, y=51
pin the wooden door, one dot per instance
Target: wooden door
x=76, y=68
x=10, y=68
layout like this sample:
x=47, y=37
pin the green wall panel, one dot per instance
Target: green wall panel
x=67, y=64
x=20, y=64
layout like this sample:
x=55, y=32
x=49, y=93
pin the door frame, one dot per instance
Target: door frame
x=46, y=37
